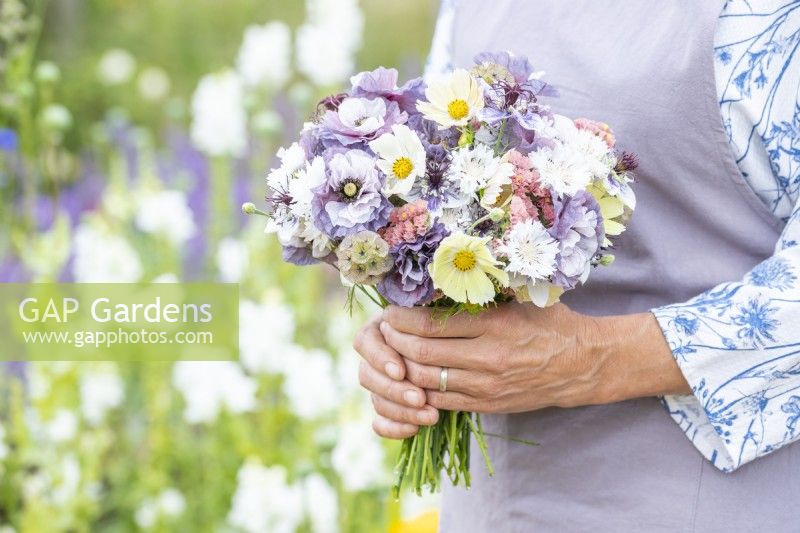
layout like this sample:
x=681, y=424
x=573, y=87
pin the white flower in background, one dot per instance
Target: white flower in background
x=210, y=386
x=153, y=84
x=62, y=427
x=266, y=336
x=101, y=257
x=530, y=250
x=3, y=445
x=480, y=173
x=101, y=390
x=56, y=117
x=562, y=169
x=264, y=501
x=595, y=152
x=116, y=67
x=453, y=99
x=66, y=481
x=232, y=259
x=165, y=213
x=264, y=57
x=219, y=123
x=402, y=159
x=170, y=503
x=358, y=456
x=310, y=383
x=328, y=41
x=166, y=277
x=321, y=503
x=347, y=363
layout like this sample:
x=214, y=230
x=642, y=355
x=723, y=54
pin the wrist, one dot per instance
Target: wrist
x=635, y=358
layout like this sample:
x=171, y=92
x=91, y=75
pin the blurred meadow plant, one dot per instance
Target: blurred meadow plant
x=129, y=131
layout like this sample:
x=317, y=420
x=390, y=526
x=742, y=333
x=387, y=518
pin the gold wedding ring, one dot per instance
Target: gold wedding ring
x=443, y=380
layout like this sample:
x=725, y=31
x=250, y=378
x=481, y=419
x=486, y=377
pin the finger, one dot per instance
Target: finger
x=393, y=430
x=423, y=321
x=427, y=416
x=427, y=377
x=454, y=353
x=456, y=401
x=370, y=344
x=402, y=392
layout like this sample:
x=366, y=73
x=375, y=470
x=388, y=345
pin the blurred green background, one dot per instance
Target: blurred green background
x=130, y=133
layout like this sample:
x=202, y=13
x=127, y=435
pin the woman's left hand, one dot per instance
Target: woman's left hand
x=517, y=357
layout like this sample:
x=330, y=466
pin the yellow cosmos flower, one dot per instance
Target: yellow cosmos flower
x=453, y=100
x=461, y=268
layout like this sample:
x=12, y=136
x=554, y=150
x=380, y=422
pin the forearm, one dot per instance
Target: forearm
x=637, y=361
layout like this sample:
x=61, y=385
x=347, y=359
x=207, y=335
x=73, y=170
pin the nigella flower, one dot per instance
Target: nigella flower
x=360, y=120
x=409, y=283
x=578, y=228
x=350, y=199
x=438, y=186
x=756, y=320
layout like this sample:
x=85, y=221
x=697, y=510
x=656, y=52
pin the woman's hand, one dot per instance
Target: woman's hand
x=517, y=357
x=400, y=405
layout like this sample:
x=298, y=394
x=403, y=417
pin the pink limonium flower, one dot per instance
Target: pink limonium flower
x=530, y=199
x=407, y=222
x=601, y=129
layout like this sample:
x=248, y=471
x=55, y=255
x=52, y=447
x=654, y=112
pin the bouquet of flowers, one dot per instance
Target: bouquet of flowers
x=458, y=194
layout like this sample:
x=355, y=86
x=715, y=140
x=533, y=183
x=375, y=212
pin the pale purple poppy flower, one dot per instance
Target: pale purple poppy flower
x=360, y=120
x=578, y=228
x=350, y=199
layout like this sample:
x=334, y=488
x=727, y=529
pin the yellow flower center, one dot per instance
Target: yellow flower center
x=458, y=109
x=464, y=260
x=350, y=189
x=402, y=168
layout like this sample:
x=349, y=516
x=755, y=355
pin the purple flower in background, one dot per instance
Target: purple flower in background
x=578, y=228
x=382, y=82
x=8, y=140
x=360, y=120
x=409, y=283
x=350, y=199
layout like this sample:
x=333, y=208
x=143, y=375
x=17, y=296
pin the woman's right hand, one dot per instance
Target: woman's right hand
x=400, y=405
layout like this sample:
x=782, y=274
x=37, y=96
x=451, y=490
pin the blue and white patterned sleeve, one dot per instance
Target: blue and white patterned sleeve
x=738, y=344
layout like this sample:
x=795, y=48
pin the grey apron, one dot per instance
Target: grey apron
x=646, y=68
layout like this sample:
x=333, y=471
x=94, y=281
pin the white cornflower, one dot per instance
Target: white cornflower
x=218, y=117
x=210, y=386
x=265, y=501
x=264, y=57
x=530, y=250
x=402, y=159
x=562, y=169
x=101, y=390
x=480, y=173
x=166, y=213
x=100, y=257
x=453, y=99
x=116, y=67
x=597, y=156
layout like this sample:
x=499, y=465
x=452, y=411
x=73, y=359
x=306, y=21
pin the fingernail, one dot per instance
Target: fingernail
x=383, y=327
x=412, y=397
x=428, y=417
x=394, y=371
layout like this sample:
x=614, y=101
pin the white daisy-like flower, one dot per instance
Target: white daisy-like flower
x=402, y=159
x=453, y=99
x=480, y=173
x=530, y=250
x=562, y=169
